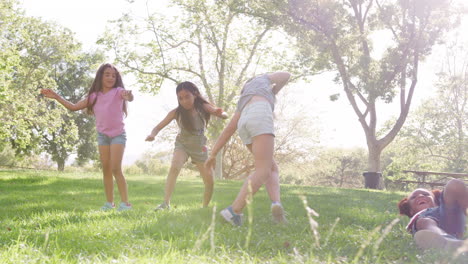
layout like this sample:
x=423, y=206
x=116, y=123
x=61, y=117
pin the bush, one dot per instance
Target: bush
x=330, y=167
x=154, y=163
x=133, y=169
x=157, y=167
x=8, y=158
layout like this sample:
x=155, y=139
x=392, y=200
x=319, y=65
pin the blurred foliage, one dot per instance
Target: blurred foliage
x=73, y=78
x=211, y=43
x=435, y=137
x=342, y=36
x=151, y=163
x=35, y=54
x=334, y=167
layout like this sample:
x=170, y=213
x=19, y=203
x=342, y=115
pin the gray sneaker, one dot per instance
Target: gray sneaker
x=231, y=217
x=162, y=206
x=426, y=239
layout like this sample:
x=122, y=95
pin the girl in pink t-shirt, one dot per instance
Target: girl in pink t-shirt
x=107, y=101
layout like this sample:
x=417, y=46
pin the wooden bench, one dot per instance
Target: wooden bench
x=423, y=178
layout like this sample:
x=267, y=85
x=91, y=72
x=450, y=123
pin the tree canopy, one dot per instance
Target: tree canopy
x=36, y=54
x=344, y=36
x=211, y=43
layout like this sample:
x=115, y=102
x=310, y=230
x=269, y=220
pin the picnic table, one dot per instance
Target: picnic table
x=431, y=178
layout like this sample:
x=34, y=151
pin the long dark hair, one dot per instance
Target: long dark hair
x=97, y=86
x=182, y=115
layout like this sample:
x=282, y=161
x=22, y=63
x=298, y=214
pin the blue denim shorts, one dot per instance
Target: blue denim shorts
x=104, y=140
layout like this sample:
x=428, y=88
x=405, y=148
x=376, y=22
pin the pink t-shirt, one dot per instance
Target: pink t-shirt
x=108, y=112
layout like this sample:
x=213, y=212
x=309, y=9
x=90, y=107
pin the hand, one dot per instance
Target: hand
x=210, y=163
x=127, y=95
x=219, y=112
x=49, y=93
x=149, y=138
x=224, y=115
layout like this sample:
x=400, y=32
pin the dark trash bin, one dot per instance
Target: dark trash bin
x=372, y=179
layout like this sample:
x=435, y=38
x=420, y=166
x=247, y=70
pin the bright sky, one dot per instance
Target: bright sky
x=88, y=19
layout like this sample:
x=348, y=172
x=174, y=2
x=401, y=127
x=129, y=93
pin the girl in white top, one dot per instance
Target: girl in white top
x=254, y=120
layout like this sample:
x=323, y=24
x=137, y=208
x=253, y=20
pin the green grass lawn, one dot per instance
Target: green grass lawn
x=50, y=217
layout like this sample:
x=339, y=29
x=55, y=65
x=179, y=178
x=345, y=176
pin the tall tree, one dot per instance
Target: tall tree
x=347, y=32
x=9, y=60
x=209, y=42
x=73, y=77
x=35, y=54
x=29, y=48
x=440, y=125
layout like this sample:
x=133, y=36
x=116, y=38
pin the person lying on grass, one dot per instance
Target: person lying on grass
x=437, y=217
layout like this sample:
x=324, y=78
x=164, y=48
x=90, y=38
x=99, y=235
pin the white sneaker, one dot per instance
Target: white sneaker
x=426, y=239
x=231, y=217
x=162, y=206
x=278, y=214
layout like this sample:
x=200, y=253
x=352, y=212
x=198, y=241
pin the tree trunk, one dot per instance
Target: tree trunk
x=216, y=129
x=60, y=165
x=373, y=162
x=342, y=174
x=218, y=173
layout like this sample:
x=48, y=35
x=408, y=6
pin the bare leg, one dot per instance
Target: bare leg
x=430, y=235
x=105, y=156
x=178, y=160
x=454, y=208
x=456, y=193
x=272, y=184
x=262, y=149
x=116, y=155
x=207, y=175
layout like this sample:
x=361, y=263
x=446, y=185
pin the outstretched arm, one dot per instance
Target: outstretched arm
x=170, y=116
x=222, y=140
x=279, y=80
x=70, y=106
x=216, y=111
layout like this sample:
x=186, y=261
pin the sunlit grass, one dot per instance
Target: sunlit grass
x=50, y=217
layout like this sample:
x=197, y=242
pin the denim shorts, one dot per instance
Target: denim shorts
x=256, y=119
x=104, y=140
